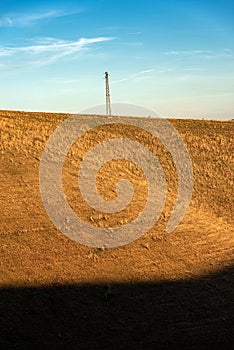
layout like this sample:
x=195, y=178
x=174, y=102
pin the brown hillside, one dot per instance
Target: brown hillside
x=34, y=252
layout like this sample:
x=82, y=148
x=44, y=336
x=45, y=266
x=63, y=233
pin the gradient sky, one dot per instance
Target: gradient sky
x=173, y=56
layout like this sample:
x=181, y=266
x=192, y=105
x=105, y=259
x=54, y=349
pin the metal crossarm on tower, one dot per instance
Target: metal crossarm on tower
x=108, y=105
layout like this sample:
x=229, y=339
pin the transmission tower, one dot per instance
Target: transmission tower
x=108, y=105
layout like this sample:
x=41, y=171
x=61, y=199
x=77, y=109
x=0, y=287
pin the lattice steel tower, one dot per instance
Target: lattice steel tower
x=108, y=104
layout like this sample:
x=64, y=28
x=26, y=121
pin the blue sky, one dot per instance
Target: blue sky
x=173, y=56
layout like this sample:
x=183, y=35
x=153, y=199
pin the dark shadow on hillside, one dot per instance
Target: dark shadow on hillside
x=194, y=314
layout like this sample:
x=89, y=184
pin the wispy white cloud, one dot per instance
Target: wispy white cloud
x=201, y=53
x=135, y=33
x=4, y=52
x=187, y=52
x=142, y=75
x=136, y=76
x=49, y=50
x=26, y=19
x=145, y=71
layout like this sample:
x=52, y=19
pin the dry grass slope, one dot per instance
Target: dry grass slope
x=33, y=252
